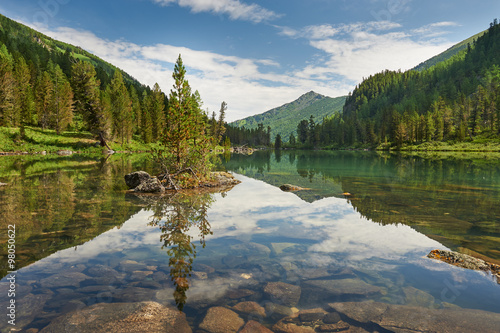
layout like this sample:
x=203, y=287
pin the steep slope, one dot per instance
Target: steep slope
x=40, y=49
x=283, y=120
x=451, y=52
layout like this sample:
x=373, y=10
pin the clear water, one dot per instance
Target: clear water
x=365, y=218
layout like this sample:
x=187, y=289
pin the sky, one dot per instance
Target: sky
x=254, y=54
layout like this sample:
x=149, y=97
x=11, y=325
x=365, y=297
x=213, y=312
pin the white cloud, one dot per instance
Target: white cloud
x=234, y=8
x=361, y=49
x=434, y=29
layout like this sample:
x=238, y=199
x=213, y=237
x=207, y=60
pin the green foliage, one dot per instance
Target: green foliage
x=456, y=99
x=184, y=142
x=283, y=120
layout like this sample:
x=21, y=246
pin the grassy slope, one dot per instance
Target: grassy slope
x=47, y=140
x=283, y=120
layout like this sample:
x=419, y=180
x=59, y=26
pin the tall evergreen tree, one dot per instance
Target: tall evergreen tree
x=87, y=100
x=121, y=108
x=6, y=87
x=24, y=100
x=62, y=101
x=185, y=143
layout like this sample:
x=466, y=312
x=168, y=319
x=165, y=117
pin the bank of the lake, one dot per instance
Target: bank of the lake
x=37, y=140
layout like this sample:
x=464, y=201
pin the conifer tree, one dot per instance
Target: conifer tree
x=156, y=110
x=185, y=144
x=121, y=108
x=24, y=105
x=87, y=100
x=146, y=125
x=6, y=87
x=61, y=114
x=44, y=94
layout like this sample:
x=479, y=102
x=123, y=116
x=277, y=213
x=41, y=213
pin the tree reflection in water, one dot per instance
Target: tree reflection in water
x=177, y=215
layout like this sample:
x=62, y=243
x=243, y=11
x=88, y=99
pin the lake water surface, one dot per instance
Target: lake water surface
x=359, y=233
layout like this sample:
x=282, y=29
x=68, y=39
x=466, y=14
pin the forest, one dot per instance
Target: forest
x=455, y=100
x=52, y=85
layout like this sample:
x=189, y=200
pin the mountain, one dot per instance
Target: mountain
x=454, y=101
x=283, y=120
x=452, y=51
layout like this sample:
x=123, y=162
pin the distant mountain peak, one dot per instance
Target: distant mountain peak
x=283, y=120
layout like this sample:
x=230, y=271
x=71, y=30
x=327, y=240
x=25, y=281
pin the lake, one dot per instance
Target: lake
x=348, y=253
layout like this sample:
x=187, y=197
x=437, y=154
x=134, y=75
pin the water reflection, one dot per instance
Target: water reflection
x=452, y=198
x=176, y=215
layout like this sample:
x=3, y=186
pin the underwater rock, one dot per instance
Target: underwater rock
x=417, y=297
x=283, y=293
x=255, y=327
x=252, y=309
x=221, y=320
x=465, y=261
x=340, y=287
x=27, y=308
x=404, y=318
x=121, y=317
x=277, y=311
x=65, y=279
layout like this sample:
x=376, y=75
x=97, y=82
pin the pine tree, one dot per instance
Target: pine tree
x=121, y=108
x=277, y=142
x=136, y=109
x=44, y=92
x=87, y=101
x=24, y=105
x=185, y=144
x=156, y=110
x=61, y=114
x=146, y=125
x=6, y=87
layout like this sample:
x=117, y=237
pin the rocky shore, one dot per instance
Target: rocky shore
x=142, y=182
x=466, y=261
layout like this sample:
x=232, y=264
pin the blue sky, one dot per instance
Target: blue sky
x=256, y=54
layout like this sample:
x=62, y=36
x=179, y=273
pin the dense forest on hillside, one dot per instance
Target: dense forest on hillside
x=283, y=119
x=454, y=100
x=53, y=85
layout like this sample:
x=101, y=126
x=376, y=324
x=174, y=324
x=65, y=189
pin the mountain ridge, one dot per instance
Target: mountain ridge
x=283, y=119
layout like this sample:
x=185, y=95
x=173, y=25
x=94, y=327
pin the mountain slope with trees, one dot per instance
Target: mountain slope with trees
x=51, y=85
x=282, y=120
x=456, y=100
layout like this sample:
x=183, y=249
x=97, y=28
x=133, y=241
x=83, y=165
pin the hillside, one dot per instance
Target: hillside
x=456, y=101
x=283, y=120
x=41, y=49
x=451, y=52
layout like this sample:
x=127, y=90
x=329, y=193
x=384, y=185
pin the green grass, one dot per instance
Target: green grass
x=38, y=140
x=482, y=143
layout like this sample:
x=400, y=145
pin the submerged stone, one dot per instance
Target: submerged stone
x=341, y=287
x=404, y=318
x=283, y=293
x=121, y=317
x=251, y=308
x=65, y=279
x=221, y=320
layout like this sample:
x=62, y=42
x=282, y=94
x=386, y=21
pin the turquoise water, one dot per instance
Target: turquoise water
x=360, y=231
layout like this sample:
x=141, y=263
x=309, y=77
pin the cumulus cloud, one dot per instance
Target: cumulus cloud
x=235, y=9
x=358, y=50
